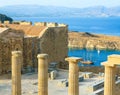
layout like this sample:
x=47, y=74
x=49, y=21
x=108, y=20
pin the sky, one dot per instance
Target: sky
x=65, y=3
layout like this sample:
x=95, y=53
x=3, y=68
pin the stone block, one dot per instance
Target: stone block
x=88, y=74
x=96, y=85
x=62, y=83
x=99, y=92
x=53, y=75
x=101, y=74
x=114, y=59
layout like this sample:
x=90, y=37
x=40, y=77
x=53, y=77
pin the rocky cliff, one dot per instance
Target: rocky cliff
x=4, y=17
x=93, y=41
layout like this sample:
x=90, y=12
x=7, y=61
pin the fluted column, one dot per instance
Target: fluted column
x=73, y=88
x=42, y=74
x=16, y=72
x=109, y=84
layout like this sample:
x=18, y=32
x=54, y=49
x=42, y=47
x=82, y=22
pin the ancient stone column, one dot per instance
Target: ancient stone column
x=109, y=84
x=110, y=72
x=73, y=83
x=16, y=72
x=42, y=74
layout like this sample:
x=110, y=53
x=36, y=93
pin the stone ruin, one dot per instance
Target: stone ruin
x=31, y=40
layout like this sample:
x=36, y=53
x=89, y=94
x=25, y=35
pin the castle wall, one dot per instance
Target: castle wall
x=54, y=43
x=40, y=23
x=25, y=23
x=5, y=52
x=30, y=51
x=51, y=40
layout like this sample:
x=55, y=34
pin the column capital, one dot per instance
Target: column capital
x=42, y=56
x=73, y=59
x=109, y=64
x=114, y=58
x=16, y=53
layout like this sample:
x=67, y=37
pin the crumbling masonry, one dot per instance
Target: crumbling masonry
x=50, y=38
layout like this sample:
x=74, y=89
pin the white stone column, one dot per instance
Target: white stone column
x=42, y=74
x=16, y=72
x=73, y=83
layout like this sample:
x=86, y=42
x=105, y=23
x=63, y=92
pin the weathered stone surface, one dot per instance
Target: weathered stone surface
x=62, y=83
x=32, y=40
x=54, y=43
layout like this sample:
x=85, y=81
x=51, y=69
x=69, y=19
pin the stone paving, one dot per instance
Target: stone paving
x=30, y=84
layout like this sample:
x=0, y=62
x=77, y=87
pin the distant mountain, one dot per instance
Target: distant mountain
x=4, y=17
x=53, y=11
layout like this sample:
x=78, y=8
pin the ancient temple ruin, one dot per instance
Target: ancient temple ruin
x=50, y=38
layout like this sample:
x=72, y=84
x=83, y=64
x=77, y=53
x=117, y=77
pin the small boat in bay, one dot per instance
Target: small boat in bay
x=98, y=51
x=86, y=62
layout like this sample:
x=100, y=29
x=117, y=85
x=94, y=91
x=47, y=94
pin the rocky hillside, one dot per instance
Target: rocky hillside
x=93, y=41
x=4, y=17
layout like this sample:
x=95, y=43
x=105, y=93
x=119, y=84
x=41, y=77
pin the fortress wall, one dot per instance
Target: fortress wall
x=52, y=24
x=40, y=23
x=6, y=46
x=29, y=46
x=25, y=23
x=48, y=24
x=30, y=52
x=27, y=52
x=62, y=25
x=6, y=22
x=54, y=43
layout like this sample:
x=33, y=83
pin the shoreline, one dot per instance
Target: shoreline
x=86, y=40
x=78, y=48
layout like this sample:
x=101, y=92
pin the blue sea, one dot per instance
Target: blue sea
x=107, y=26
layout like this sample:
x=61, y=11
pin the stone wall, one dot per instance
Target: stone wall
x=9, y=43
x=25, y=23
x=54, y=42
x=30, y=49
